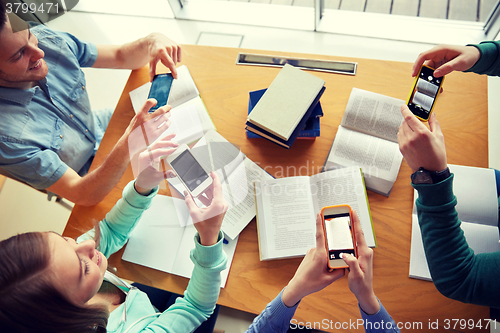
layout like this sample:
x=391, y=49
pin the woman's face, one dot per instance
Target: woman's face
x=77, y=269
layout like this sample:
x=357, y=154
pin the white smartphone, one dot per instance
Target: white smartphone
x=339, y=235
x=190, y=172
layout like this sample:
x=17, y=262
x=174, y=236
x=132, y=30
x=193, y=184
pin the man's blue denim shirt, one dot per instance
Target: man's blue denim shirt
x=50, y=127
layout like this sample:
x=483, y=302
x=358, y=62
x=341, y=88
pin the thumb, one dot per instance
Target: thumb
x=148, y=105
x=434, y=124
x=353, y=264
x=188, y=199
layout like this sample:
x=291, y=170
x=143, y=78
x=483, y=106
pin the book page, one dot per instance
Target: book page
x=286, y=218
x=158, y=241
x=476, y=192
x=379, y=159
x=373, y=114
x=183, y=88
x=344, y=186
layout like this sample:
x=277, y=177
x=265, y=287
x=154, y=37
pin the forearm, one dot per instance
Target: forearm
x=132, y=55
x=92, y=188
x=378, y=322
x=276, y=317
x=201, y=295
x=121, y=219
x=455, y=270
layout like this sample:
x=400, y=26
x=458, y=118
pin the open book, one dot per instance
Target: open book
x=189, y=117
x=425, y=94
x=367, y=137
x=287, y=208
x=236, y=173
x=158, y=241
x=477, y=207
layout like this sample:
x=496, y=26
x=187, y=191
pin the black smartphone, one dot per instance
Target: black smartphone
x=160, y=90
x=424, y=93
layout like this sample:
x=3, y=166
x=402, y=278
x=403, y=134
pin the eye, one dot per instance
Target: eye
x=19, y=56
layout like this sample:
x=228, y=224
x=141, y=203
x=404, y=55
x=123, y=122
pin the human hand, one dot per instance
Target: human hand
x=161, y=48
x=421, y=146
x=149, y=167
x=360, y=276
x=447, y=58
x=146, y=127
x=312, y=274
x=208, y=220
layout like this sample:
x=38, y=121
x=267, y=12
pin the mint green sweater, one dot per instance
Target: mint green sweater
x=456, y=271
x=136, y=313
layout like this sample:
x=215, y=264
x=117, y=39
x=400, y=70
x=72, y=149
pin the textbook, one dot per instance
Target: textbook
x=236, y=173
x=477, y=207
x=158, y=241
x=189, y=116
x=287, y=208
x=367, y=137
x=290, y=97
x=311, y=128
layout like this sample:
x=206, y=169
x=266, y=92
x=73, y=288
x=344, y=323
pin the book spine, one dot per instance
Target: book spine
x=303, y=134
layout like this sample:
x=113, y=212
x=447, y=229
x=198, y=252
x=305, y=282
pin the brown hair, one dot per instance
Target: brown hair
x=3, y=15
x=28, y=301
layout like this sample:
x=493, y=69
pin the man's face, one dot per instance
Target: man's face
x=21, y=61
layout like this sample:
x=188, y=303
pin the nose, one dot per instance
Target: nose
x=36, y=52
x=86, y=248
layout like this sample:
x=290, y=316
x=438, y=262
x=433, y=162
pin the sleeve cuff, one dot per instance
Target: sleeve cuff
x=135, y=199
x=209, y=256
x=434, y=195
x=488, y=56
x=382, y=316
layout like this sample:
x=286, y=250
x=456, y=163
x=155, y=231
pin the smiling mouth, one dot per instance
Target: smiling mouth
x=99, y=259
x=37, y=65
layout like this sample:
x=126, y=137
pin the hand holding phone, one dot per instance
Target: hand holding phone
x=313, y=273
x=361, y=271
x=339, y=237
x=424, y=93
x=189, y=170
x=160, y=90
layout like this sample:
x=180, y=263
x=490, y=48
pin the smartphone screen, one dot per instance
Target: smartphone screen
x=424, y=93
x=339, y=235
x=160, y=89
x=189, y=170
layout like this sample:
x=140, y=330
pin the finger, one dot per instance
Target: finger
x=320, y=232
x=161, y=153
x=216, y=185
x=188, y=199
x=353, y=264
x=170, y=174
x=360, y=236
x=434, y=124
x=168, y=62
x=179, y=53
x=204, y=200
x=413, y=123
x=148, y=105
x=152, y=69
x=447, y=67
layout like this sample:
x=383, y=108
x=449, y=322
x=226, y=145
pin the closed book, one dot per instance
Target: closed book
x=286, y=101
x=311, y=129
x=286, y=143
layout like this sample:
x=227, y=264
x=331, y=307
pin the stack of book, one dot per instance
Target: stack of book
x=288, y=107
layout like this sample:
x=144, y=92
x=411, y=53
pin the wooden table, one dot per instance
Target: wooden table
x=224, y=86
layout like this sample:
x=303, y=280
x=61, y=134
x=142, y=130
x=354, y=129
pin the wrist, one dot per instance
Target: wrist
x=369, y=304
x=142, y=190
x=209, y=239
x=291, y=295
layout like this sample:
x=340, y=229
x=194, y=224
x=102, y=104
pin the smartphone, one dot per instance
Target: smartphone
x=160, y=90
x=339, y=235
x=424, y=93
x=190, y=172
